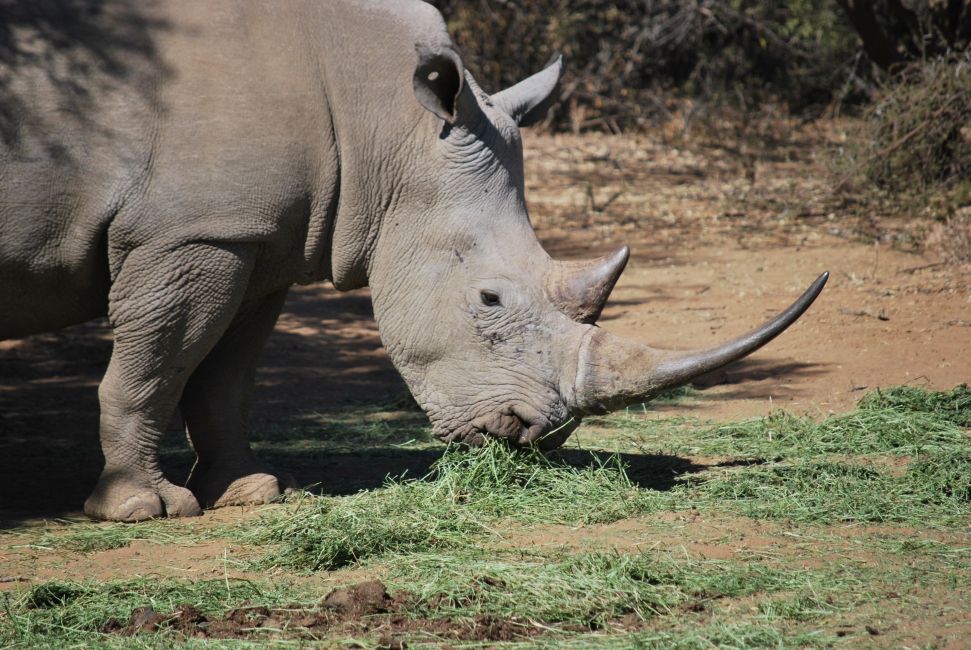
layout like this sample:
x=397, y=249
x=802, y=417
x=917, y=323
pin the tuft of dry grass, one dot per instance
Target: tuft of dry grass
x=952, y=237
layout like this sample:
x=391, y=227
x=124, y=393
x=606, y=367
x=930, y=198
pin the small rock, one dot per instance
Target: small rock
x=388, y=642
x=186, y=618
x=144, y=619
x=358, y=600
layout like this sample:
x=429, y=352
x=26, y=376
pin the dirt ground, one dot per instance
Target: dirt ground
x=720, y=240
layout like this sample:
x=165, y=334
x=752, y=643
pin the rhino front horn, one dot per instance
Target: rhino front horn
x=613, y=372
x=580, y=289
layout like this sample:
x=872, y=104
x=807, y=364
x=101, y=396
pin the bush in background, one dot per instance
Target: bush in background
x=629, y=58
x=918, y=134
x=912, y=155
x=632, y=63
x=895, y=32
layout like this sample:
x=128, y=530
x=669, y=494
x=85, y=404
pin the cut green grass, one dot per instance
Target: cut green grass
x=647, y=599
x=65, y=612
x=712, y=634
x=953, y=406
x=864, y=431
x=934, y=491
x=92, y=537
x=444, y=537
x=566, y=597
x=467, y=493
x=958, y=557
x=899, y=421
x=470, y=492
x=589, y=589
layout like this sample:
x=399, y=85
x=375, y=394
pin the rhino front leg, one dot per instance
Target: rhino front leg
x=167, y=308
x=215, y=405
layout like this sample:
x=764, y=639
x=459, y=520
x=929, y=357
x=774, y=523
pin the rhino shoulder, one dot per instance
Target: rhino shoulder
x=421, y=22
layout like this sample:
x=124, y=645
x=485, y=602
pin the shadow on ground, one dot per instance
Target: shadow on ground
x=325, y=393
x=324, y=353
x=344, y=473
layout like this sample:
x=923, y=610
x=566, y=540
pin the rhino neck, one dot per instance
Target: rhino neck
x=379, y=128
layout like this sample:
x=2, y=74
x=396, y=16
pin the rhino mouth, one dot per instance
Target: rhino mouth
x=516, y=428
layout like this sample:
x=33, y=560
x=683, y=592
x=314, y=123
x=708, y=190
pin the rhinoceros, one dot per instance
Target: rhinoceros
x=176, y=165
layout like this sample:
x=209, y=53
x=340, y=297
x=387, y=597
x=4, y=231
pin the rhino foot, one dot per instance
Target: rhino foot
x=251, y=484
x=121, y=498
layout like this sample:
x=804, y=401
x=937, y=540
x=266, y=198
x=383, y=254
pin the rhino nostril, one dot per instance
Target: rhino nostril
x=530, y=435
x=503, y=425
x=521, y=425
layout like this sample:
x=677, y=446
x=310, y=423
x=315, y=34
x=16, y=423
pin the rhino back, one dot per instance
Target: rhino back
x=71, y=145
x=155, y=124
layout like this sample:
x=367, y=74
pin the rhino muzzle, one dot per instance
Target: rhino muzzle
x=518, y=426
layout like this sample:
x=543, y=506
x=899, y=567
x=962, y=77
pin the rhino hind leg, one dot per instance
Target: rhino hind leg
x=167, y=308
x=215, y=404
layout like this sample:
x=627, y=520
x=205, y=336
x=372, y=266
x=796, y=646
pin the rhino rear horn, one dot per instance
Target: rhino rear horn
x=580, y=289
x=528, y=101
x=438, y=82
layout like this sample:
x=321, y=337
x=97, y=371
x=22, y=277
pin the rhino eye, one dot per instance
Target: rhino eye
x=489, y=298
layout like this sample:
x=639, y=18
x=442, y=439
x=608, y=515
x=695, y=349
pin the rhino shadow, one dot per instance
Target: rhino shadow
x=323, y=470
x=745, y=376
x=343, y=474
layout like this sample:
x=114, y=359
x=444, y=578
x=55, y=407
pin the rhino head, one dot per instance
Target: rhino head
x=493, y=337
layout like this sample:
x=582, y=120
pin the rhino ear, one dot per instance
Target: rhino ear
x=528, y=101
x=438, y=81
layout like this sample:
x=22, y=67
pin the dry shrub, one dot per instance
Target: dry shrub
x=896, y=32
x=918, y=136
x=912, y=155
x=630, y=62
x=952, y=237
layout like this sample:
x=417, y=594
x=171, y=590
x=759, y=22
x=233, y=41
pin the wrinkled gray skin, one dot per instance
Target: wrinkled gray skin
x=180, y=186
